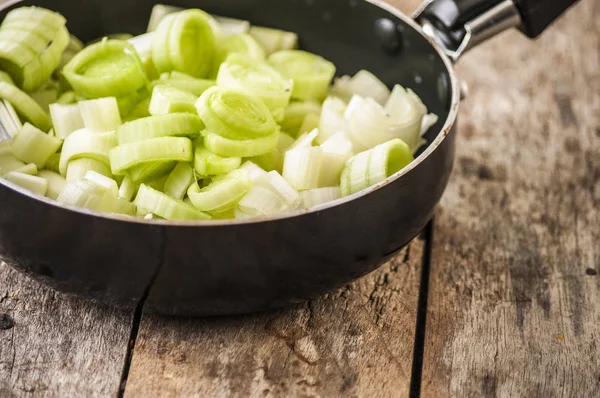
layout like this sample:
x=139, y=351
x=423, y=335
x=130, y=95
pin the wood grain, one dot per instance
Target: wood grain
x=52, y=345
x=356, y=342
x=514, y=303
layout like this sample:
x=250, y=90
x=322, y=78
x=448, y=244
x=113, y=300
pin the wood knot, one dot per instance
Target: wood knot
x=6, y=322
x=591, y=272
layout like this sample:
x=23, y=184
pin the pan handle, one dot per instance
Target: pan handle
x=459, y=25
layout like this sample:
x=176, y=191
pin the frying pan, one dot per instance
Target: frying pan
x=232, y=267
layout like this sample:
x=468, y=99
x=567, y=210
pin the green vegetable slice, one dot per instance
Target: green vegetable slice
x=222, y=194
x=25, y=106
x=168, y=99
x=35, y=184
x=273, y=40
x=78, y=168
x=234, y=114
x=32, y=145
x=187, y=83
x=371, y=167
x=175, y=124
x=179, y=180
x=109, y=68
x=302, y=167
x=207, y=163
x=239, y=148
x=312, y=74
x=85, y=144
x=163, y=149
x=167, y=207
x=100, y=115
x=258, y=78
x=56, y=183
x=184, y=41
x=150, y=171
x=295, y=114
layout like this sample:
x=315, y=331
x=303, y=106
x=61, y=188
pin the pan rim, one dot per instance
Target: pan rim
x=448, y=124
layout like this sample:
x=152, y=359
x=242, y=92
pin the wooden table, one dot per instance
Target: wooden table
x=499, y=297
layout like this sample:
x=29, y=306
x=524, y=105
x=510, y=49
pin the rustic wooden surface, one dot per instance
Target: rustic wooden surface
x=355, y=342
x=513, y=305
x=57, y=346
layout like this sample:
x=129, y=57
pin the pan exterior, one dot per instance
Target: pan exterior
x=229, y=267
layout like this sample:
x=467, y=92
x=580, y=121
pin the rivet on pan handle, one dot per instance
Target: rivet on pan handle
x=459, y=25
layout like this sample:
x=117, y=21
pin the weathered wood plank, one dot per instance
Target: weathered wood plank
x=355, y=342
x=52, y=345
x=514, y=303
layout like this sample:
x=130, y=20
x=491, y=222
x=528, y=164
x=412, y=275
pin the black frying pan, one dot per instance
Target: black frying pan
x=228, y=267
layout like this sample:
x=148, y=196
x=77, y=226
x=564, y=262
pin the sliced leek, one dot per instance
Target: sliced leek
x=241, y=43
x=34, y=184
x=168, y=99
x=370, y=124
x=128, y=188
x=273, y=40
x=235, y=115
x=188, y=83
x=170, y=125
x=319, y=196
x=56, y=183
x=296, y=113
x=179, y=180
x=185, y=42
x=86, y=144
x=100, y=115
x=276, y=183
x=66, y=119
x=365, y=84
x=222, y=194
x=150, y=171
x=256, y=77
x=371, y=167
x=239, y=148
x=78, y=169
x=311, y=74
x=253, y=170
x=25, y=106
x=302, y=167
x=109, y=68
x=167, y=207
x=32, y=145
x=10, y=123
x=332, y=119
x=207, y=163
x=102, y=181
x=163, y=149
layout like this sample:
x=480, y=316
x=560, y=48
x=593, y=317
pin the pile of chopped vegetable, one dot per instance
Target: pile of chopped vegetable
x=200, y=118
